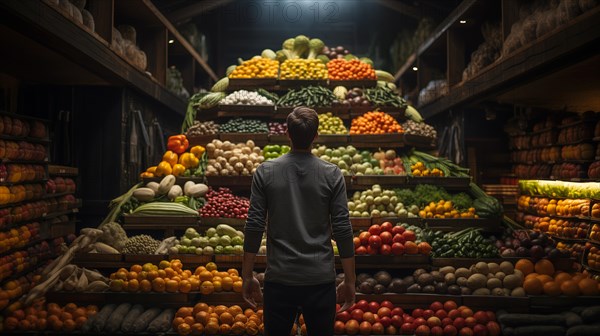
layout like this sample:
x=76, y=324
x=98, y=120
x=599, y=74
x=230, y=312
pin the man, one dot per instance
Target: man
x=304, y=199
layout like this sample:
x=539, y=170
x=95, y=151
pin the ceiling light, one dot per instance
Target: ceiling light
x=171, y=41
x=415, y=68
x=463, y=21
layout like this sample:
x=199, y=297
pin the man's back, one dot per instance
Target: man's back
x=300, y=192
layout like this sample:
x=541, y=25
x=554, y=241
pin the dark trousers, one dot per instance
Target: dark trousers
x=281, y=304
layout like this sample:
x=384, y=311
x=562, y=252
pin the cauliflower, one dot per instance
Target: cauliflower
x=113, y=235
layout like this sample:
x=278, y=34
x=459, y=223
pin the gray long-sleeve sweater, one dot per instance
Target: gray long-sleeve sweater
x=305, y=201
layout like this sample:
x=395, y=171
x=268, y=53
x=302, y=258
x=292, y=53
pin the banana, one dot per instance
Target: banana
x=412, y=114
x=384, y=76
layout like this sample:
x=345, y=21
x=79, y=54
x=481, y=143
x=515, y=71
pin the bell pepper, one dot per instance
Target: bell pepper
x=178, y=169
x=285, y=149
x=170, y=157
x=163, y=169
x=178, y=143
x=197, y=151
x=151, y=170
x=272, y=148
x=146, y=175
x=189, y=160
x=271, y=155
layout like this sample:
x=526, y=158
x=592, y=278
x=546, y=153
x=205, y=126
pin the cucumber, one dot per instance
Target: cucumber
x=590, y=314
x=584, y=330
x=518, y=320
x=540, y=330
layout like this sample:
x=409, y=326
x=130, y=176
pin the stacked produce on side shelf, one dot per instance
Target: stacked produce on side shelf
x=243, y=97
x=387, y=239
x=179, y=160
x=228, y=159
x=223, y=239
x=224, y=204
x=257, y=67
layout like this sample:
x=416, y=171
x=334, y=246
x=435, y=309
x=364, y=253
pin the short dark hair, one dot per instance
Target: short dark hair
x=302, y=125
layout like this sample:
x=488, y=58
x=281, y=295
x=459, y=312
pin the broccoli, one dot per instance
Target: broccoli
x=462, y=201
x=301, y=44
x=406, y=196
x=315, y=48
x=426, y=193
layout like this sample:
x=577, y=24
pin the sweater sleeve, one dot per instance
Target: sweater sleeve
x=340, y=217
x=257, y=213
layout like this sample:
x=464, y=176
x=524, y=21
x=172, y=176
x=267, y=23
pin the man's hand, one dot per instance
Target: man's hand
x=251, y=291
x=346, y=292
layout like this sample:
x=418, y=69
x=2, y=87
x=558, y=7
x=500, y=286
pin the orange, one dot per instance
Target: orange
x=588, y=286
x=227, y=283
x=133, y=285
x=164, y=264
x=211, y=266
x=240, y=318
x=207, y=288
x=158, y=285
x=220, y=309
x=201, y=306
x=132, y=275
x=117, y=285
x=552, y=288
x=233, y=271
x=205, y=276
x=199, y=270
x=145, y=285
x=211, y=328
x=570, y=288
x=169, y=272
x=525, y=266
x=234, y=310
x=184, y=311
x=136, y=268
x=185, y=286
x=544, y=278
x=152, y=275
x=142, y=275
x=171, y=286
x=189, y=320
x=224, y=329
x=176, y=265
x=162, y=273
x=178, y=320
x=248, y=312
x=237, y=286
x=424, y=248
x=226, y=318
x=544, y=266
x=121, y=275
x=533, y=286
x=201, y=317
x=561, y=277
x=184, y=329
x=218, y=286
x=195, y=283
x=197, y=329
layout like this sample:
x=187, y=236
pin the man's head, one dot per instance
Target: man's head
x=302, y=125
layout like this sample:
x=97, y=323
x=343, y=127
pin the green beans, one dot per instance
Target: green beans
x=311, y=96
x=239, y=125
x=384, y=96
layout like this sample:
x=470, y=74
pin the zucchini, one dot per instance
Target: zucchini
x=142, y=322
x=130, y=318
x=540, y=330
x=153, y=185
x=101, y=317
x=590, y=314
x=162, y=322
x=164, y=209
x=174, y=192
x=197, y=190
x=518, y=320
x=116, y=318
x=165, y=184
x=572, y=319
x=584, y=330
x=224, y=229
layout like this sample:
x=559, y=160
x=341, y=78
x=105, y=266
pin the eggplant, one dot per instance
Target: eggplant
x=522, y=252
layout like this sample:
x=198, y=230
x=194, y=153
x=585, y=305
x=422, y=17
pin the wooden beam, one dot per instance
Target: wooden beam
x=180, y=39
x=401, y=7
x=196, y=8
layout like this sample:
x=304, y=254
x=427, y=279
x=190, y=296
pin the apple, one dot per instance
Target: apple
x=465, y=332
x=397, y=321
x=351, y=327
x=450, y=330
x=364, y=238
x=386, y=321
x=434, y=322
x=357, y=314
x=386, y=227
x=422, y=330
x=436, y=305
x=398, y=249
x=398, y=230
x=343, y=316
x=395, y=310
x=365, y=328
x=362, y=305
x=369, y=317
x=493, y=328
x=375, y=241
x=491, y=315
x=409, y=235
x=441, y=314
x=398, y=238
x=384, y=311
x=388, y=304
x=386, y=238
x=356, y=242
x=377, y=328
x=409, y=319
x=385, y=249
x=391, y=330
x=339, y=328
x=427, y=313
x=459, y=323
x=470, y=322
x=417, y=313
x=361, y=250
x=446, y=321
x=373, y=307
x=449, y=305
x=480, y=330
x=481, y=317
x=437, y=331
x=419, y=321
x=372, y=250
x=375, y=229
x=407, y=329
x=454, y=313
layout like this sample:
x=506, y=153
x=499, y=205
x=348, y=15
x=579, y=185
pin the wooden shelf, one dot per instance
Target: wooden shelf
x=538, y=74
x=54, y=170
x=40, y=35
